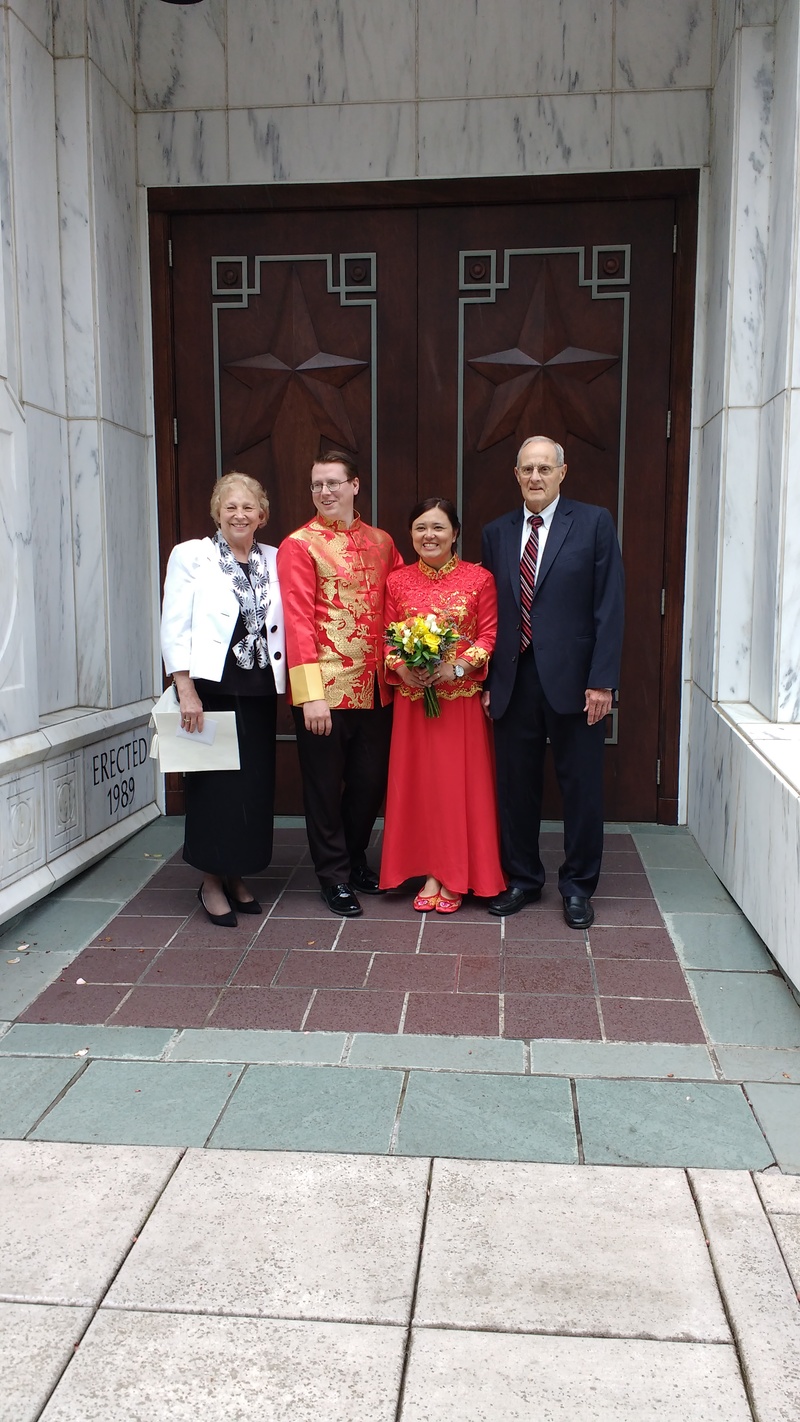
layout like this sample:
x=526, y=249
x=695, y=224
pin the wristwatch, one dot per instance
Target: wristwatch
x=458, y=670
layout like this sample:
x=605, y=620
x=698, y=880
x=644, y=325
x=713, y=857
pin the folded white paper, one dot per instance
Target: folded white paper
x=177, y=751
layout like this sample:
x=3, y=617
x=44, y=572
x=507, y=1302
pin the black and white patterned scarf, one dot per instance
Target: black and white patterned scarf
x=252, y=595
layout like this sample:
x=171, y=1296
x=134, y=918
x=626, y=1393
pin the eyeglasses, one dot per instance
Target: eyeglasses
x=542, y=469
x=330, y=484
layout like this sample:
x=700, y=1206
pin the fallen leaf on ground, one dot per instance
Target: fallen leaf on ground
x=11, y=961
x=80, y=982
x=82, y=1052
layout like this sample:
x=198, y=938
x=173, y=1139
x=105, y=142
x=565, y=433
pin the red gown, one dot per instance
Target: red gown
x=441, y=803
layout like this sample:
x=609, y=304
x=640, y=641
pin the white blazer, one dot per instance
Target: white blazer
x=200, y=611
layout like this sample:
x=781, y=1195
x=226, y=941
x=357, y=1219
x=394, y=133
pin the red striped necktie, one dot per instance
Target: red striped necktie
x=527, y=579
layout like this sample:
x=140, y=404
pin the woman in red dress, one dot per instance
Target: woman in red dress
x=441, y=807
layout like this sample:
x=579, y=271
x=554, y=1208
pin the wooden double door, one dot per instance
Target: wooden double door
x=430, y=337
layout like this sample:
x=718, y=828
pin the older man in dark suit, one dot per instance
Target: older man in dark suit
x=560, y=593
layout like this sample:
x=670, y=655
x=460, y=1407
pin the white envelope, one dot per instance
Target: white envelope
x=176, y=753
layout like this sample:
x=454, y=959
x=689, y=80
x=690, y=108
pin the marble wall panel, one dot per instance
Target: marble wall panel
x=19, y=701
x=469, y=50
x=320, y=52
x=477, y=137
x=38, y=16
x=782, y=258
x=663, y=46
x=182, y=147
x=22, y=824
x=128, y=562
x=63, y=803
x=69, y=28
x=740, y=463
x=110, y=45
x=746, y=819
x=75, y=211
x=718, y=251
x=89, y=563
x=726, y=18
x=766, y=568
x=788, y=669
x=324, y=144
x=119, y=314
x=752, y=161
x=180, y=55
x=666, y=129
x=35, y=195
x=9, y=362
x=53, y=595
x=706, y=574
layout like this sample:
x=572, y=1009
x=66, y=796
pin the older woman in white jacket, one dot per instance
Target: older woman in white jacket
x=222, y=641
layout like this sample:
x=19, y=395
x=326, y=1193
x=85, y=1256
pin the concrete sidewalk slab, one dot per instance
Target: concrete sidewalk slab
x=68, y=1216
x=37, y=1341
x=480, y=1377
x=758, y=1293
x=160, y=1366
x=571, y=1250
x=326, y=1237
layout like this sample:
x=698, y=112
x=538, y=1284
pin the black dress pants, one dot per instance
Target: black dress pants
x=344, y=782
x=520, y=737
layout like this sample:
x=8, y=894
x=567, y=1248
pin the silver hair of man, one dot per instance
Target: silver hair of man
x=557, y=447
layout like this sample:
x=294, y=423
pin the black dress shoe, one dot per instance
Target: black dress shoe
x=512, y=900
x=578, y=911
x=365, y=880
x=341, y=899
x=220, y=920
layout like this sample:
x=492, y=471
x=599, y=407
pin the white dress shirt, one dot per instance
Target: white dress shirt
x=547, y=516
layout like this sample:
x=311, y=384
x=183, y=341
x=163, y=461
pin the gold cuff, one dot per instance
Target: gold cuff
x=305, y=683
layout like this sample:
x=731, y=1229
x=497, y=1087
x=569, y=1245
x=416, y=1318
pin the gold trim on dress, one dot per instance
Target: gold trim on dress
x=436, y=573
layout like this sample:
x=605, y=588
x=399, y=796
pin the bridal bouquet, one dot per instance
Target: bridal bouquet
x=422, y=642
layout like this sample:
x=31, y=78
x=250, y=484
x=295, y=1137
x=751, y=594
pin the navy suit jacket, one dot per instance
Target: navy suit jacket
x=577, y=611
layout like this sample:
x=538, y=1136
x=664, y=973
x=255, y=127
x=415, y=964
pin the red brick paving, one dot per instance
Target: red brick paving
x=161, y=963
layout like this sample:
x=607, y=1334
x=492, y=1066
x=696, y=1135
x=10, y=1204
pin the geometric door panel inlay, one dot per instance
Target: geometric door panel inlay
x=22, y=838
x=64, y=803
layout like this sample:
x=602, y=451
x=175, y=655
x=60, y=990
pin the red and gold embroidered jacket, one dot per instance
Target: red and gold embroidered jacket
x=332, y=580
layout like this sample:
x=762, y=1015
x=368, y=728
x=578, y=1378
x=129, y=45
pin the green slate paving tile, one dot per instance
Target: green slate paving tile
x=703, y=1124
x=113, y=880
x=21, y=982
x=311, y=1108
x=610, y=1059
x=218, y=1044
x=141, y=1103
x=26, y=1089
x=747, y=1009
x=759, y=1064
x=372, y=1049
x=677, y=850
x=488, y=1118
x=58, y=1040
x=57, y=925
x=778, y=1110
x=718, y=941
x=690, y=891
x=162, y=836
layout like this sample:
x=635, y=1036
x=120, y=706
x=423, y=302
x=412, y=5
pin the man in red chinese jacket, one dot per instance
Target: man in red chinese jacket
x=332, y=574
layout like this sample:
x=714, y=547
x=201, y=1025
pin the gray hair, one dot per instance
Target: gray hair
x=559, y=449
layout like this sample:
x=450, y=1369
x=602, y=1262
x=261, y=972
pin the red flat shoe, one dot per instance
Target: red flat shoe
x=445, y=905
x=425, y=905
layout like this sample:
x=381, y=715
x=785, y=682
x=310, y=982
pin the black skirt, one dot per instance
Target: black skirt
x=229, y=812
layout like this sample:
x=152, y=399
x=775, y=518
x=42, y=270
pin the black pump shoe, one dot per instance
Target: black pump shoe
x=220, y=920
x=242, y=905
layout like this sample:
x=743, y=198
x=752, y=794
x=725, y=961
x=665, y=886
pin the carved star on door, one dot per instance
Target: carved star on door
x=295, y=365
x=541, y=382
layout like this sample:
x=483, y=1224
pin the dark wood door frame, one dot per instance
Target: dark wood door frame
x=680, y=186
